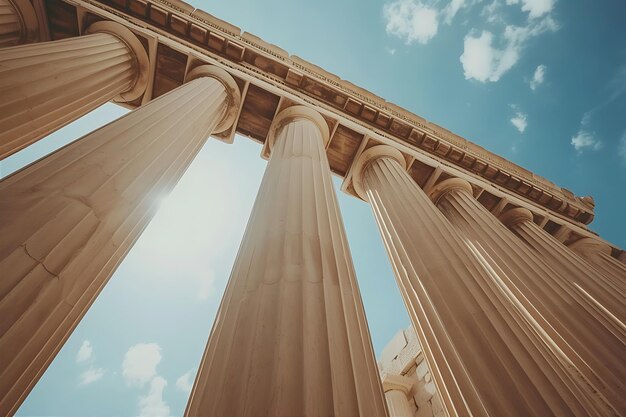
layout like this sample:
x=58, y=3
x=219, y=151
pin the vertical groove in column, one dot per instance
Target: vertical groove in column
x=290, y=337
x=484, y=359
x=580, y=344
x=45, y=86
x=598, y=255
x=601, y=287
x=69, y=219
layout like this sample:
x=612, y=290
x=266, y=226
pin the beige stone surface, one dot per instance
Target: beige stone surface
x=604, y=293
x=408, y=362
x=481, y=357
x=44, y=86
x=599, y=255
x=18, y=23
x=572, y=343
x=69, y=219
x=290, y=337
x=397, y=389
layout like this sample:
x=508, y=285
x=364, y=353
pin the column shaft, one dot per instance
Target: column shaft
x=18, y=23
x=290, y=337
x=606, y=293
x=599, y=256
x=44, y=86
x=482, y=356
x=398, y=404
x=579, y=343
x=397, y=390
x=68, y=220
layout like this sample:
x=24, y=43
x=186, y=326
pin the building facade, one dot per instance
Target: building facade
x=517, y=306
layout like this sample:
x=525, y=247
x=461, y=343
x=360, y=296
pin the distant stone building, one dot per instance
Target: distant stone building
x=408, y=384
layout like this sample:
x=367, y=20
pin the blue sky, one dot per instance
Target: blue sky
x=540, y=82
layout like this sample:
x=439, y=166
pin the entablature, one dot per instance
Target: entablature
x=179, y=37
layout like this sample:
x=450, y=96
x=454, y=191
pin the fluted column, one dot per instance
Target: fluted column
x=583, y=346
x=483, y=359
x=599, y=255
x=69, y=219
x=606, y=293
x=290, y=337
x=18, y=23
x=397, y=389
x=45, y=86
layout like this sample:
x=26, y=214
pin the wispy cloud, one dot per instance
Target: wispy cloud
x=152, y=404
x=484, y=60
x=185, y=382
x=538, y=77
x=520, y=121
x=91, y=375
x=585, y=140
x=139, y=368
x=140, y=362
x=452, y=9
x=535, y=8
x=84, y=352
x=411, y=20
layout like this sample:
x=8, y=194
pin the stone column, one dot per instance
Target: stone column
x=18, y=23
x=483, y=358
x=578, y=342
x=290, y=337
x=397, y=389
x=605, y=293
x=599, y=255
x=69, y=219
x=45, y=86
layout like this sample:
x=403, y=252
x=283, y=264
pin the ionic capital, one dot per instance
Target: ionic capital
x=397, y=383
x=231, y=87
x=135, y=48
x=366, y=158
x=516, y=215
x=444, y=187
x=291, y=114
x=588, y=245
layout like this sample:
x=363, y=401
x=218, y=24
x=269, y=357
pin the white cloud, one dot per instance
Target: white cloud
x=538, y=77
x=520, y=121
x=452, y=9
x=140, y=362
x=85, y=352
x=584, y=140
x=535, y=8
x=490, y=12
x=91, y=375
x=152, y=405
x=411, y=20
x=185, y=381
x=484, y=61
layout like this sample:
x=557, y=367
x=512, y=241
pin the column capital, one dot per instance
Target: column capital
x=231, y=87
x=444, y=187
x=516, y=215
x=398, y=383
x=29, y=25
x=135, y=47
x=369, y=156
x=588, y=244
x=290, y=114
